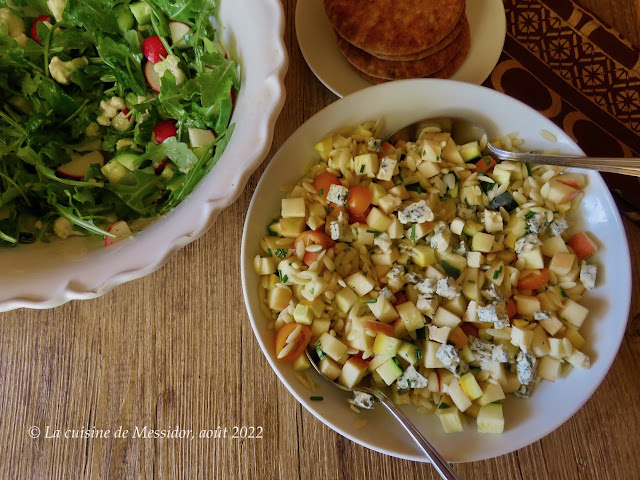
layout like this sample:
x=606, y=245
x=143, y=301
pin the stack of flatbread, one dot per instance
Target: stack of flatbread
x=395, y=39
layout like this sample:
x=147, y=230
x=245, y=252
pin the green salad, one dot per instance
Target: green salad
x=110, y=112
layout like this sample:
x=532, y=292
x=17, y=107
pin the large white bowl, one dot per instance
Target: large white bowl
x=399, y=104
x=42, y=276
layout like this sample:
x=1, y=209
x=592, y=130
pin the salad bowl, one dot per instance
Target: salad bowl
x=396, y=105
x=44, y=275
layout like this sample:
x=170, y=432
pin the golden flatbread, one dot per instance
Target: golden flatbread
x=394, y=27
x=429, y=51
x=376, y=67
x=446, y=72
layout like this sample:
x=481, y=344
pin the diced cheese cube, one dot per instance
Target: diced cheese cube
x=417, y=212
x=338, y=195
x=457, y=224
x=387, y=166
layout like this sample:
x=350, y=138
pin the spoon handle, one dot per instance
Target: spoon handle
x=439, y=463
x=624, y=166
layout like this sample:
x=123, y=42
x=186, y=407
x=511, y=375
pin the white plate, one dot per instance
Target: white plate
x=318, y=45
x=552, y=403
x=42, y=276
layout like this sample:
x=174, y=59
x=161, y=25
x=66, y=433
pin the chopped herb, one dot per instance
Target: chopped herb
x=487, y=160
x=330, y=210
x=362, y=169
x=319, y=351
x=269, y=252
x=375, y=232
x=424, y=153
x=449, y=342
x=564, y=294
x=409, y=262
x=556, y=211
x=467, y=202
x=316, y=398
x=285, y=278
x=440, y=157
x=281, y=253
x=528, y=168
x=530, y=215
x=497, y=273
x=321, y=192
x=496, y=403
x=313, y=290
x=413, y=233
x=473, y=282
x=395, y=360
x=443, y=405
x=409, y=383
x=418, y=353
x=373, y=300
x=400, y=180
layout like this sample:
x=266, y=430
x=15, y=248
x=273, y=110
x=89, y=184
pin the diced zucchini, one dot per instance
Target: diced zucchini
x=114, y=171
x=470, y=386
x=275, y=228
x=504, y=200
x=410, y=352
x=450, y=419
x=453, y=264
x=385, y=345
x=142, y=12
x=482, y=242
x=292, y=227
x=470, y=152
x=389, y=371
x=471, y=228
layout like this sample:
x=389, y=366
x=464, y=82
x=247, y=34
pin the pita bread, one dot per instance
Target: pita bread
x=451, y=36
x=394, y=27
x=446, y=72
x=390, y=70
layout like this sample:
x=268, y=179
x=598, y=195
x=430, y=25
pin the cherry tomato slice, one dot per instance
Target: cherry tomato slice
x=300, y=343
x=311, y=237
x=359, y=200
x=323, y=183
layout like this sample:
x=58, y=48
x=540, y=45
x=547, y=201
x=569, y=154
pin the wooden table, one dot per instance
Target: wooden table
x=176, y=349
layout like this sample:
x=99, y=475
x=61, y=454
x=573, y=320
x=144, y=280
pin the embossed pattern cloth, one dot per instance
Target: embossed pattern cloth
x=568, y=65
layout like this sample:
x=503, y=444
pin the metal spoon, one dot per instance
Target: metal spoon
x=439, y=463
x=464, y=130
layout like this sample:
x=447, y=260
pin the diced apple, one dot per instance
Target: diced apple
x=120, y=230
x=574, y=180
x=521, y=337
x=490, y=418
x=527, y=305
x=582, y=245
x=560, y=193
x=411, y=316
x=329, y=368
x=574, y=313
x=469, y=384
x=458, y=395
x=377, y=220
x=430, y=359
x=279, y=298
x=562, y=263
x=444, y=318
x=360, y=283
x=383, y=310
x=482, y=242
x=548, y=368
x=331, y=346
x=345, y=299
x=353, y=371
x=201, y=138
x=77, y=167
x=553, y=245
x=491, y=393
x=533, y=259
x=379, y=327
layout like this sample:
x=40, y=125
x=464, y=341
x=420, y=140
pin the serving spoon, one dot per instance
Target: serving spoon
x=464, y=130
x=439, y=463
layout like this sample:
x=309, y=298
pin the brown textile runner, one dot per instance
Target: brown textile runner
x=568, y=65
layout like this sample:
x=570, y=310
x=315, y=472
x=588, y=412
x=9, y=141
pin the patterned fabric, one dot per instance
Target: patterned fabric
x=581, y=75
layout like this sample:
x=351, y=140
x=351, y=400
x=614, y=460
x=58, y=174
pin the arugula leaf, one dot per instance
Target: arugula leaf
x=94, y=15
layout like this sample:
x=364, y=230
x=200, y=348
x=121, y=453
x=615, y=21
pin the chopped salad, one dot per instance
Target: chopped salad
x=111, y=111
x=430, y=270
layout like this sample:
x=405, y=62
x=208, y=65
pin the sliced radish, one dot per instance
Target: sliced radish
x=153, y=78
x=121, y=231
x=77, y=167
x=178, y=31
x=34, y=26
x=153, y=49
x=164, y=129
x=200, y=138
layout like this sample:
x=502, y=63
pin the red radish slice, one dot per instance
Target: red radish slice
x=164, y=129
x=121, y=231
x=153, y=78
x=34, y=27
x=77, y=167
x=153, y=49
x=178, y=31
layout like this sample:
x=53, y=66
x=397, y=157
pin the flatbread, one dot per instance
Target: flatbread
x=390, y=70
x=446, y=72
x=394, y=27
x=451, y=36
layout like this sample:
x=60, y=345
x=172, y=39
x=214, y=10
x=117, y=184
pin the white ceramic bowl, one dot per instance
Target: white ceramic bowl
x=42, y=276
x=399, y=104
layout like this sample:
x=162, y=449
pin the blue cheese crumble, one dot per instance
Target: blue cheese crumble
x=495, y=313
x=481, y=349
x=441, y=237
x=413, y=278
x=338, y=195
x=466, y=213
x=527, y=243
x=558, y=226
x=588, y=274
x=387, y=166
x=448, y=288
x=411, y=379
x=338, y=227
x=387, y=295
x=526, y=368
x=450, y=358
x=537, y=223
x=362, y=400
x=493, y=293
x=499, y=354
x=542, y=315
x=427, y=287
x=373, y=144
x=383, y=241
x=417, y=212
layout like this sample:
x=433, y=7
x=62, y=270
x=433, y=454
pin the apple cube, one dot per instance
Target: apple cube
x=360, y=283
x=353, y=371
x=293, y=207
x=332, y=347
x=377, y=220
x=457, y=394
x=383, y=310
x=469, y=384
x=548, y=368
x=553, y=245
x=560, y=193
x=279, y=298
x=574, y=313
x=492, y=392
x=411, y=316
x=345, y=299
x=562, y=263
x=445, y=318
x=532, y=259
x=430, y=359
x=330, y=368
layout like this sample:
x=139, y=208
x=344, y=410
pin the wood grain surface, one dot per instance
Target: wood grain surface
x=175, y=349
